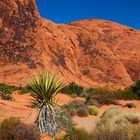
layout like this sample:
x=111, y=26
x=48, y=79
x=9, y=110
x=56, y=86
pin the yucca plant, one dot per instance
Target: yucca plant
x=44, y=88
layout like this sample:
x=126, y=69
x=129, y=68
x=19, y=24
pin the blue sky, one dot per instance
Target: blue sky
x=126, y=12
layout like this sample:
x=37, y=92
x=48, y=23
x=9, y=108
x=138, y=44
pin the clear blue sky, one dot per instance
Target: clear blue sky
x=126, y=12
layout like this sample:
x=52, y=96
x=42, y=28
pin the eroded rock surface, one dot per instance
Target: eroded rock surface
x=89, y=52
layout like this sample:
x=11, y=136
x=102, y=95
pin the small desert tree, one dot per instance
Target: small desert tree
x=44, y=88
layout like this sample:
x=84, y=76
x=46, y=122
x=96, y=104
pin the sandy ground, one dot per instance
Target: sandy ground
x=17, y=108
x=88, y=123
x=20, y=107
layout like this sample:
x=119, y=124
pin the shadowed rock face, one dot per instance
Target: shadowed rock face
x=17, y=32
x=89, y=52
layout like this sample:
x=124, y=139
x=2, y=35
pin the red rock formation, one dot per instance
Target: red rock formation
x=89, y=52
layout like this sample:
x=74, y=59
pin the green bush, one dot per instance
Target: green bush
x=8, y=123
x=104, y=96
x=93, y=102
x=125, y=94
x=107, y=96
x=23, y=90
x=7, y=89
x=129, y=93
x=82, y=112
x=75, y=134
x=14, y=129
x=93, y=110
x=73, y=88
x=73, y=106
x=136, y=88
x=90, y=90
x=88, y=94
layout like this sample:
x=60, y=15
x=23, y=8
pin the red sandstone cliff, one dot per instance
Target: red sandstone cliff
x=89, y=52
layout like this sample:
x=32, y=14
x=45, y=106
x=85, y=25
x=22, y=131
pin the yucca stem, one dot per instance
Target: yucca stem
x=46, y=120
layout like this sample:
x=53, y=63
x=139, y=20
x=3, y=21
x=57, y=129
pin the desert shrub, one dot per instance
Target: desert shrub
x=116, y=124
x=82, y=112
x=130, y=105
x=73, y=88
x=14, y=129
x=27, y=132
x=90, y=90
x=112, y=116
x=7, y=123
x=93, y=110
x=73, y=112
x=75, y=134
x=136, y=88
x=129, y=93
x=107, y=96
x=117, y=133
x=7, y=89
x=126, y=94
x=133, y=118
x=93, y=102
x=7, y=97
x=73, y=95
x=113, y=111
x=88, y=93
x=73, y=106
x=63, y=119
x=23, y=90
x=104, y=96
x=107, y=101
x=117, y=117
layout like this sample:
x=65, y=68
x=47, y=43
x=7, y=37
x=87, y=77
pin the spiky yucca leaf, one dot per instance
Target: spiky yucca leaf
x=44, y=88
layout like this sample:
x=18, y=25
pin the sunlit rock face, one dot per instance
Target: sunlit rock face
x=91, y=52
